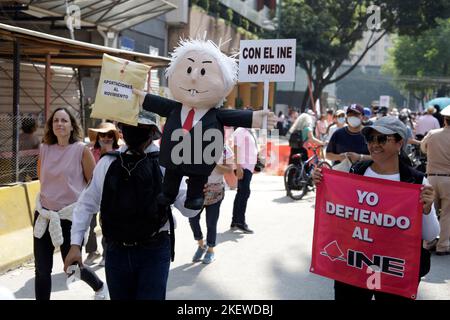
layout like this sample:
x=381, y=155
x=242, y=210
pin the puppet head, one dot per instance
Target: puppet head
x=200, y=75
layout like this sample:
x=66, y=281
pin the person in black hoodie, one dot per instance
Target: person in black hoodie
x=386, y=139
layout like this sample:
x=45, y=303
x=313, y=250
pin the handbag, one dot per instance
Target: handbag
x=214, y=193
x=260, y=165
x=343, y=166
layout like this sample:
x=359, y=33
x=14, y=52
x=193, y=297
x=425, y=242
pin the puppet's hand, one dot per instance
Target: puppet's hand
x=258, y=118
x=140, y=94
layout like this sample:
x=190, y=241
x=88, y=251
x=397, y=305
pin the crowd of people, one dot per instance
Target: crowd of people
x=68, y=207
x=376, y=143
x=74, y=189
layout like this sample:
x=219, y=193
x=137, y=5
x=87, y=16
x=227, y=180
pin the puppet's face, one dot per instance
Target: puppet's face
x=197, y=81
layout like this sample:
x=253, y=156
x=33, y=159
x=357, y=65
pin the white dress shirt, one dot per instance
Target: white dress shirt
x=90, y=199
x=199, y=113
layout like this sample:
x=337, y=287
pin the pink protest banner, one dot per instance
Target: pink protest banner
x=362, y=222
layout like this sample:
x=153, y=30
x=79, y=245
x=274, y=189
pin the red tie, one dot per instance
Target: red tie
x=189, y=120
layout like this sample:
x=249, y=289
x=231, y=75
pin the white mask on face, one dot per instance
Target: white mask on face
x=354, y=122
x=341, y=120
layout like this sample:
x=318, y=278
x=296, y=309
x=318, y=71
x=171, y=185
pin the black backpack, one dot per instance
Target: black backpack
x=129, y=212
x=296, y=139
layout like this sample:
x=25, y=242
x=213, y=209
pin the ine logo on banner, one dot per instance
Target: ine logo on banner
x=333, y=252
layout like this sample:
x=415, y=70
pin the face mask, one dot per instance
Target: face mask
x=354, y=122
x=341, y=120
x=105, y=143
x=379, y=115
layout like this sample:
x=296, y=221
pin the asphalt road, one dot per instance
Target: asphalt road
x=272, y=264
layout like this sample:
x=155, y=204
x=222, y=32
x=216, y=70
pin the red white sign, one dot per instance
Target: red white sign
x=367, y=232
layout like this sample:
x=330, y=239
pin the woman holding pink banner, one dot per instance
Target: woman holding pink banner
x=385, y=140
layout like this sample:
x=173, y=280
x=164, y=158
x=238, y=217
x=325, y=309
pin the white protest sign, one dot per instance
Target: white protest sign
x=271, y=60
x=384, y=101
x=117, y=89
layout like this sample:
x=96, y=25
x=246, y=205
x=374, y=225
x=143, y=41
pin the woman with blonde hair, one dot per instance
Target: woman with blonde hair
x=303, y=127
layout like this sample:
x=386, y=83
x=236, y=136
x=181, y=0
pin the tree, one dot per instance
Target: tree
x=421, y=64
x=327, y=30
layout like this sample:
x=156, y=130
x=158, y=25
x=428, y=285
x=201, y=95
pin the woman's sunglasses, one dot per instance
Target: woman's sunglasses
x=380, y=139
x=109, y=135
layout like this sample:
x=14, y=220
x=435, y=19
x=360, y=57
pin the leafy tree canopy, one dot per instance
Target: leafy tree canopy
x=327, y=30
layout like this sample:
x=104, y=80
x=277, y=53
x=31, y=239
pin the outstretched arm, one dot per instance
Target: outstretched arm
x=156, y=104
x=246, y=118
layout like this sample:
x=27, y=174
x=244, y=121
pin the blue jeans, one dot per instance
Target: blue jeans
x=138, y=272
x=240, y=201
x=212, y=216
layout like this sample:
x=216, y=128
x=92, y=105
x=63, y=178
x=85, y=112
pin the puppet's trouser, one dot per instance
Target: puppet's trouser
x=172, y=180
x=138, y=272
x=43, y=260
x=171, y=185
x=195, y=186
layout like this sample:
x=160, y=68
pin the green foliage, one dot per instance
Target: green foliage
x=413, y=60
x=328, y=30
x=245, y=24
x=204, y=4
x=229, y=15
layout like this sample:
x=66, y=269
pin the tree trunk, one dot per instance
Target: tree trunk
x=305, y=100
x=317, y=94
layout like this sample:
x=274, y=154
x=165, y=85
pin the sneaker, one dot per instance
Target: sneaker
x=103, y=293
x=233, y=227
x=102, y=262
x=209, y=257
x=442, y=253
x=244, y=228
x=199, y=254
x=90, y=260
x=430, y=245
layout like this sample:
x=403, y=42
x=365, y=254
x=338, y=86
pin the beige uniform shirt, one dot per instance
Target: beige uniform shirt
x=436, y=145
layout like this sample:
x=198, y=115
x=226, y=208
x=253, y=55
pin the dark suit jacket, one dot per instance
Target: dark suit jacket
x=213, y=119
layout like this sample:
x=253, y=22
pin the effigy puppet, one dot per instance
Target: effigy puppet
x=200, y=77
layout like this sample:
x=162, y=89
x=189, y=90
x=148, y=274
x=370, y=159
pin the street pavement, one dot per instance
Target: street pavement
x=272, y=264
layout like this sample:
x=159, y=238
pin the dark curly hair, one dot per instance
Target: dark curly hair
x=50, y=137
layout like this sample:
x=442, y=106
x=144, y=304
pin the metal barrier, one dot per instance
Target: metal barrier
x=18, y=152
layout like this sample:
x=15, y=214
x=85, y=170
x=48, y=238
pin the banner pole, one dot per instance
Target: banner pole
x=264, y=124
x=266, y=102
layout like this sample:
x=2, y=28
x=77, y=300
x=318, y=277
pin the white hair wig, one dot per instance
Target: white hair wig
x=227, y=64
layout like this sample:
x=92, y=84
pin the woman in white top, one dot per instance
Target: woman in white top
x=214, y=194
x=385, y=140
